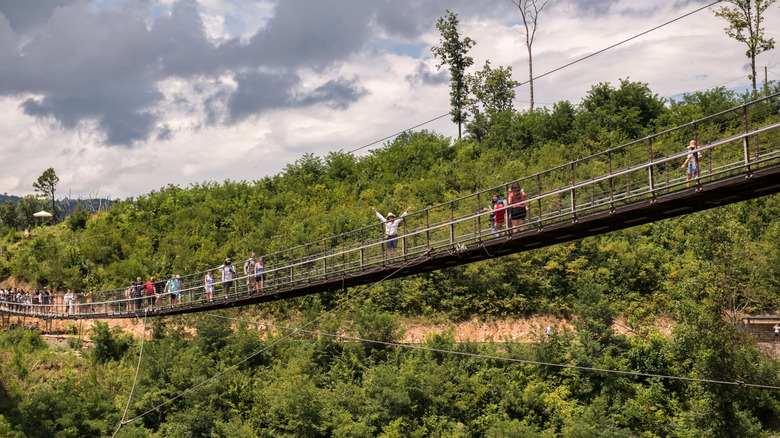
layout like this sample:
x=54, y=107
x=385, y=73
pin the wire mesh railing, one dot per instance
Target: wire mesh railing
x=733, y=142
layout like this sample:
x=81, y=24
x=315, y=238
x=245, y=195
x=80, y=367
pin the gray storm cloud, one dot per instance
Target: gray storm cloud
x=82, y=63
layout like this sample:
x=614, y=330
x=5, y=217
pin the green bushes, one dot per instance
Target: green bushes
x=22, y=341
x=310, y=385
x=110, y=344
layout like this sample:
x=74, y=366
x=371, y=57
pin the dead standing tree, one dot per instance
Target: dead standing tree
x=529, y=11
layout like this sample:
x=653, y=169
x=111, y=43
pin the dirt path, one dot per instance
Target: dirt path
x=473, y=330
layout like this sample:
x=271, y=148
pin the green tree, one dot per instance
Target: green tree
x=453, y=52
x=78, y=219
x=745, y=19
x=8, y=214
x=47, y=184
x=110, y=344
x=621, y=114
x=494, y=91
x=25, y=209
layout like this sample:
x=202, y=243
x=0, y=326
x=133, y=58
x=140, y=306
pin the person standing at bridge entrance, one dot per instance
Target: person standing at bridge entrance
x=391, y=230
x=691, y=162
x=777, y=332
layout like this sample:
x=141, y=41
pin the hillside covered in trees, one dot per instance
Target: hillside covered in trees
x=702, y=271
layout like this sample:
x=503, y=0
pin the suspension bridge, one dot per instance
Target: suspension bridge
x=633, y=184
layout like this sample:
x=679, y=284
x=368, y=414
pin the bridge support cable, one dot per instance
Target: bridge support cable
x=731, y=382
x=122, y=422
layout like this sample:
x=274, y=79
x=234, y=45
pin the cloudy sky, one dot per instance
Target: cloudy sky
x=124, y=97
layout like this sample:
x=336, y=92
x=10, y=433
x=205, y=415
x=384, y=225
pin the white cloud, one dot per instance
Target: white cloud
x=188, y=129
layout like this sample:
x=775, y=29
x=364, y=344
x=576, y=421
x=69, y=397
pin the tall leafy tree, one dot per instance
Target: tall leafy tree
x=25, y=209
x=454, y=53
x=494, y=92
x=47, y=184
x=620, y=114
x=529, y=11
x=494, y=89
x=745, y=19
x=8, y=214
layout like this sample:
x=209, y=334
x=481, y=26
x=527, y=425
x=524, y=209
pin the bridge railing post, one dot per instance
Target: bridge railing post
x=403, y=240
x=478, y=221
x=539, y=199
x=362, y=249
x=452, y=224
x=651, y=179
x=745, y=141
x=427, y=229
x=573, y=201
x=343, y=254
x=611, y=188
x=291, y=263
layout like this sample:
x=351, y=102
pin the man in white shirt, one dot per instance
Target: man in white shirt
x=391, y=230
x=228, y=271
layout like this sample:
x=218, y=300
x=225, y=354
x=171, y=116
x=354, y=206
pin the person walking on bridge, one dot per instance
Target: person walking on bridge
x=499, y=218
x=70, y=302
x=150, y=292
x=518, y=210
x=249, y=273
x=172, y=288
x=138, y=293
x=391, y=230
x=492, y=217
x=260, y=274
x=692, y=163
x=228, y=271
x=208, y=284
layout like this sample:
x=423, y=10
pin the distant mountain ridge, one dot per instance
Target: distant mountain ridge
x=68, y=205
x=6, y=196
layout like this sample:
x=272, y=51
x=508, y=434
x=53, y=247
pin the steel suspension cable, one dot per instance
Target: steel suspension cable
x=508, y=359
x=122, y=422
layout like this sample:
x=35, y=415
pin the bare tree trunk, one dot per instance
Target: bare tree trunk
x=753, y=68
x=529, y=11
x=530, y=75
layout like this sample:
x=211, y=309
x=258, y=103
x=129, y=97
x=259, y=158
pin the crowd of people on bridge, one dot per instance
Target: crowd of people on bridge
x=158, y=293
x=43, y=300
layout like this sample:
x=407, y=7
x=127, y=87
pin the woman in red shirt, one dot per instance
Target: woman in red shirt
x=518, y=211
x=150, y=291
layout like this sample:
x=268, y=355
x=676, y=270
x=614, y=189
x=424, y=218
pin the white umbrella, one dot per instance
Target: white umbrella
x=42, y=213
